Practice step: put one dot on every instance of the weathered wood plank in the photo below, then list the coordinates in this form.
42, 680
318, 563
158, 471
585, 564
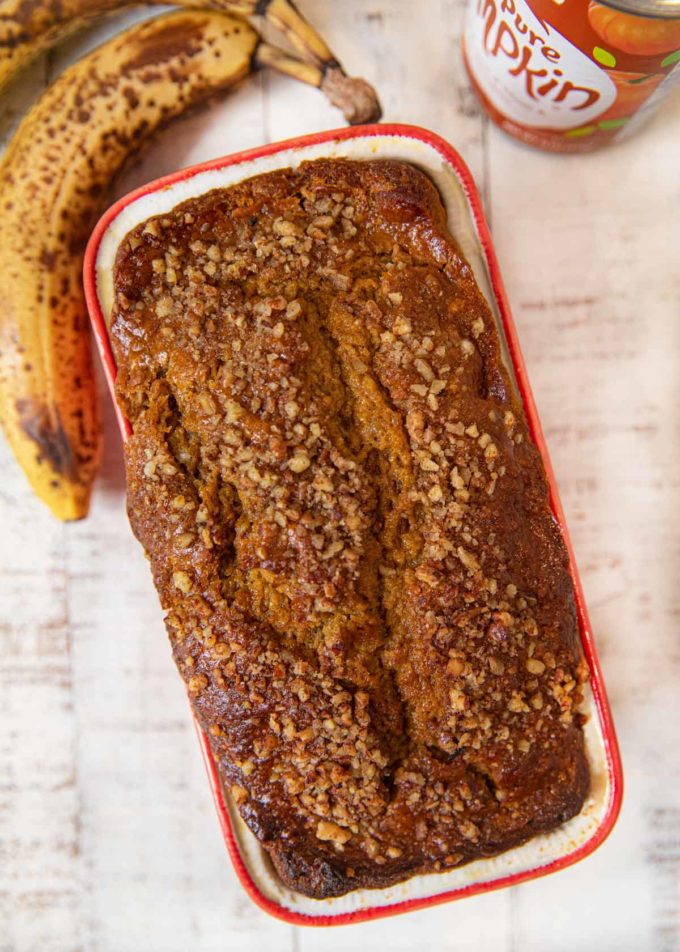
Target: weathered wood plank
589, 249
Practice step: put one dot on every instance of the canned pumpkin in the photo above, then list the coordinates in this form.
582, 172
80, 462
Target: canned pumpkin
574, 75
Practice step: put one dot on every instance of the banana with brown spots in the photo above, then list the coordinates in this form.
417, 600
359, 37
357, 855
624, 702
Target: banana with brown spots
29, 27
53, 179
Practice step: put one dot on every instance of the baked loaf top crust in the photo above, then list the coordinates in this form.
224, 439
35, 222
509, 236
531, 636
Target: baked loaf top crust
348, 524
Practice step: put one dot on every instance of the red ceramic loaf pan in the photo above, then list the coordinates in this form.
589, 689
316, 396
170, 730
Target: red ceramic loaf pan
544, 854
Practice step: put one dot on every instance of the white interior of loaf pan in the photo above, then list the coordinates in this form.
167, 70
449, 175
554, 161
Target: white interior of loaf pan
542, 850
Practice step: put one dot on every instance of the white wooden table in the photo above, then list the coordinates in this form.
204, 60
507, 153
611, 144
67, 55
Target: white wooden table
108, 837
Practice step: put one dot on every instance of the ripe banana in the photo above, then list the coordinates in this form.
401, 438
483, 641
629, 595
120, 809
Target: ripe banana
29, 28
53, 179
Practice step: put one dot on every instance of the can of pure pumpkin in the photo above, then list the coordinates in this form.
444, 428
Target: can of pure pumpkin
572, 75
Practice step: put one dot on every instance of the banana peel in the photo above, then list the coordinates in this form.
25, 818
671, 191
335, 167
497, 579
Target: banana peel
53, 181
29, 28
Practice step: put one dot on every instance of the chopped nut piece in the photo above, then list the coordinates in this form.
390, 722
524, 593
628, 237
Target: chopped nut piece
164, 307
299, 463
458, 699
182, 581
468, 829
424, 369
468, 559
534, 666
333, 549
238, 794
197, 683
282, 227
516, 704
456, 479
331, 832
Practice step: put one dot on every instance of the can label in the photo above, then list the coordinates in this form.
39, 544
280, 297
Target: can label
567, 75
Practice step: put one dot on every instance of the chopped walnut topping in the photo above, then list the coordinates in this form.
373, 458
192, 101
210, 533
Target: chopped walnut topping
164, 307
458, 699
300, 462
328, 831
424, 369
238, 794
182, 581
197, 683
468, 559
332, 491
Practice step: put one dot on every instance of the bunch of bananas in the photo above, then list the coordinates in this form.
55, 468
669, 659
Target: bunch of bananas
54, 177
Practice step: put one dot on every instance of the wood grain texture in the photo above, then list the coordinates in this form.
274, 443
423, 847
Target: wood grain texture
108, 837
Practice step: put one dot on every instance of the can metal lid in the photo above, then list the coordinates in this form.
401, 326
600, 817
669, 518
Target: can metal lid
667, 9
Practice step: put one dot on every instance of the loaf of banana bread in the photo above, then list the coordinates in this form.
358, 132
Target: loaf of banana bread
348, 525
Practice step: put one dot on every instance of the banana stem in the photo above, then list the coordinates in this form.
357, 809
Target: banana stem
355, 97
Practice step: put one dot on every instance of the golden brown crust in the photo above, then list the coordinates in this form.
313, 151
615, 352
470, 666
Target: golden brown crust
349, 525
